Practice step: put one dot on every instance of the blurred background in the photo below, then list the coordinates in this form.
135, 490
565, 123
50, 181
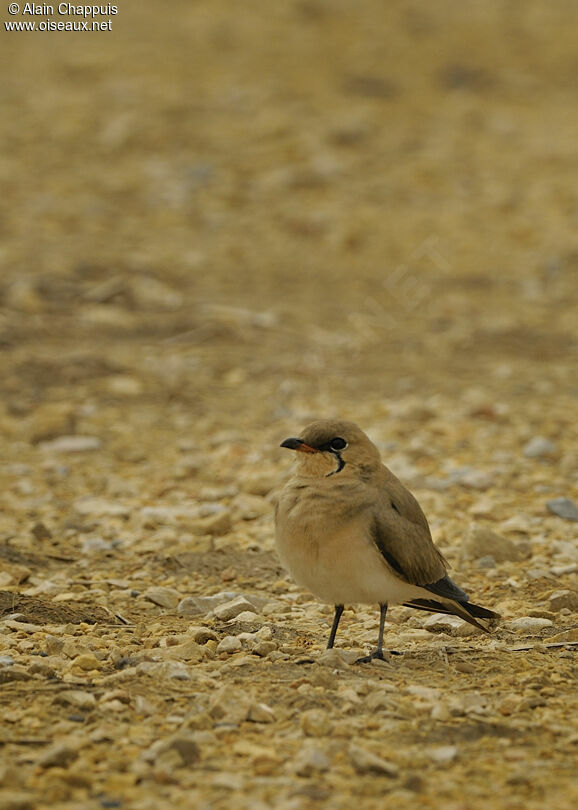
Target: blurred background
246, 211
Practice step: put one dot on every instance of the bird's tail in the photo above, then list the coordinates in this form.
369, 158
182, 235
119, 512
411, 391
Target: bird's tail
465, 610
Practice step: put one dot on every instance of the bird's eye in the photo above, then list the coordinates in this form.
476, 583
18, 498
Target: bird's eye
338, 443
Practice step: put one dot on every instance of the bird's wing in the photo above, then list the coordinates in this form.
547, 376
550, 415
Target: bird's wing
400, 531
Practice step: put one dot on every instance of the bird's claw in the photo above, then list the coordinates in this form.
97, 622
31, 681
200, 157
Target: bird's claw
376, 655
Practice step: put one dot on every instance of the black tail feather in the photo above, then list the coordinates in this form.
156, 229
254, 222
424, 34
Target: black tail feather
465, 610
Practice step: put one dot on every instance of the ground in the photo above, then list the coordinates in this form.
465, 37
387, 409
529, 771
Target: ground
220, 221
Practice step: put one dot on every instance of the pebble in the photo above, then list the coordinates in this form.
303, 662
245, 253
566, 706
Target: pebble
260, 713
263, 648
310, 761
229, 704
472, 478
443, 754
487, 561
87, 662
17, 800
202, 634
100, 506
187, 651
563, 599
481, 542
230, 610
185, 745
366, 762
249, 617
567, 635
442, 623
316, 723
539, 447
166, 669
564, 508
155, 515
229, 645
216, 525
194, 605
76, 698
337, 658
527, 624
71, 444
59, 755
167, 598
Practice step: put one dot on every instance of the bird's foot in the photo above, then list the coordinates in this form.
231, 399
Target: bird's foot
376, 655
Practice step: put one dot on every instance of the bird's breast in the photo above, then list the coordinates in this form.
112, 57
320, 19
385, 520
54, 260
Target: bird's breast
325, 544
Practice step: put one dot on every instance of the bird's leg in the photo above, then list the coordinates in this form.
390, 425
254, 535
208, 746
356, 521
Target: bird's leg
334, 626
378, 653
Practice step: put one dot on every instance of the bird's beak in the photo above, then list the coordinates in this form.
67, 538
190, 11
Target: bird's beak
299, 445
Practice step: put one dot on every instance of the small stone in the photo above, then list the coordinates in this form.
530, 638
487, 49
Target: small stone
218, 524
194, 605
248, 616
163, 515
186, 746
230, 610
510, 704
76, 698
527, 624
567, 635
87, 662
166, 669
100, 506
164, 597
310, 761
260, 713
229, 704
481, 542
539, 447
442, 623
17, 800
189, 606
202, 634
441, 712
71, 444
564, 599
58, 755
366, 762
472, 479
443, 754
229, 645
316, 723
11, 776
564, 508
337, 658
123, 385
188, 651
263, 648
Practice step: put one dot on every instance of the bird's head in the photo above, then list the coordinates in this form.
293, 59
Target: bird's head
334, 447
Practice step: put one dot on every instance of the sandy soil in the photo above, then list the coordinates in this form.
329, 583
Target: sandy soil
218, 221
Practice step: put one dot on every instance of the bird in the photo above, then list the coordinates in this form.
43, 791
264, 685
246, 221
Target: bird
350, 532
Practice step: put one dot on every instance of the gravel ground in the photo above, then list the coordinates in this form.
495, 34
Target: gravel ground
217, 225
